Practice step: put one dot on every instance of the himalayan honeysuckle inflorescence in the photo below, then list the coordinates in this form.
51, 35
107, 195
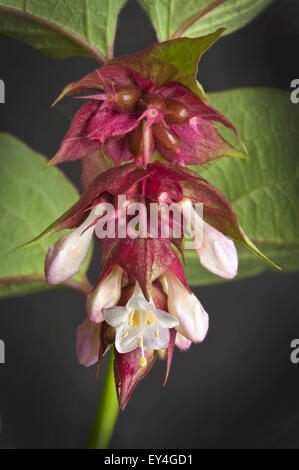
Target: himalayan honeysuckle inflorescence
145, 120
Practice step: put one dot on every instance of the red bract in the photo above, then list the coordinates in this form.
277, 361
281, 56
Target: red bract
128, 373
133, 117
157, 181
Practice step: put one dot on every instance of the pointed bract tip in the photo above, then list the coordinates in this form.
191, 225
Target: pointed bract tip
241, 155
48, 164
252, 247
64, 92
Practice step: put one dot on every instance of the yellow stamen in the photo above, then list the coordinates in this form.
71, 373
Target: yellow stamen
125, 334
156, 333
150, 318
133, 318
140, 343
143, 361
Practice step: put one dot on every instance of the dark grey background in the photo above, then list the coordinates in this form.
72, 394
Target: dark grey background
236, 390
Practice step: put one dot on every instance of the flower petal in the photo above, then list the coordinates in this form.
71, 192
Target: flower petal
105, 295
65, 257
126, 339
165, 319
115, 316
218, 253
182, 343
193, 319
138, 301
155, 337
88, 343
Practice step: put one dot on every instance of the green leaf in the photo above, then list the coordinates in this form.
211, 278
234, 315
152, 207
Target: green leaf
63, 28
263, 190
168, 61
30, 199
174, 18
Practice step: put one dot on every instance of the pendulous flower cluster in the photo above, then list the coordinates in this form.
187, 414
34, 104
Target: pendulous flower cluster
135, 136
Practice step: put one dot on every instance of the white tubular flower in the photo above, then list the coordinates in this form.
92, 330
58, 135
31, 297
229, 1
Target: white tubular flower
139, 325
217, 253
193, 319
181, 342
65, 257
105, 295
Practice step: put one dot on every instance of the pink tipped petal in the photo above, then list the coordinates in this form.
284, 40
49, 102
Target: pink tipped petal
65, 257
182, 343
108, 123
88, 343
218, 253
193, 319
105, 295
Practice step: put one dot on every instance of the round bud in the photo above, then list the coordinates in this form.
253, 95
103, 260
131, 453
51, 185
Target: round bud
150, 100
136, 140
165, 138
125, 99
176, 112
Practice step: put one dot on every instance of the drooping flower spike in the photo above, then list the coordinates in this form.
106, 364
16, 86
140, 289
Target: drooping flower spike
142, 305
142, 288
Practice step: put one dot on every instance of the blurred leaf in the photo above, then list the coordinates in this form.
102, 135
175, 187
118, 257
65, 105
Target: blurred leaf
30, 199
63, 28
263, 190
175, 18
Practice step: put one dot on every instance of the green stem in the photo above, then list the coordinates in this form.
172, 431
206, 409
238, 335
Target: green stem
107, 411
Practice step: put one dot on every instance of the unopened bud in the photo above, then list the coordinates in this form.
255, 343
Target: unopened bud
165, 138
176, 112
125, 99
137, 139
150, 100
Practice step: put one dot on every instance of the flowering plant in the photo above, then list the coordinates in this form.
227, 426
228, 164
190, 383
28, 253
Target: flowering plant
143, 113
145, 137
